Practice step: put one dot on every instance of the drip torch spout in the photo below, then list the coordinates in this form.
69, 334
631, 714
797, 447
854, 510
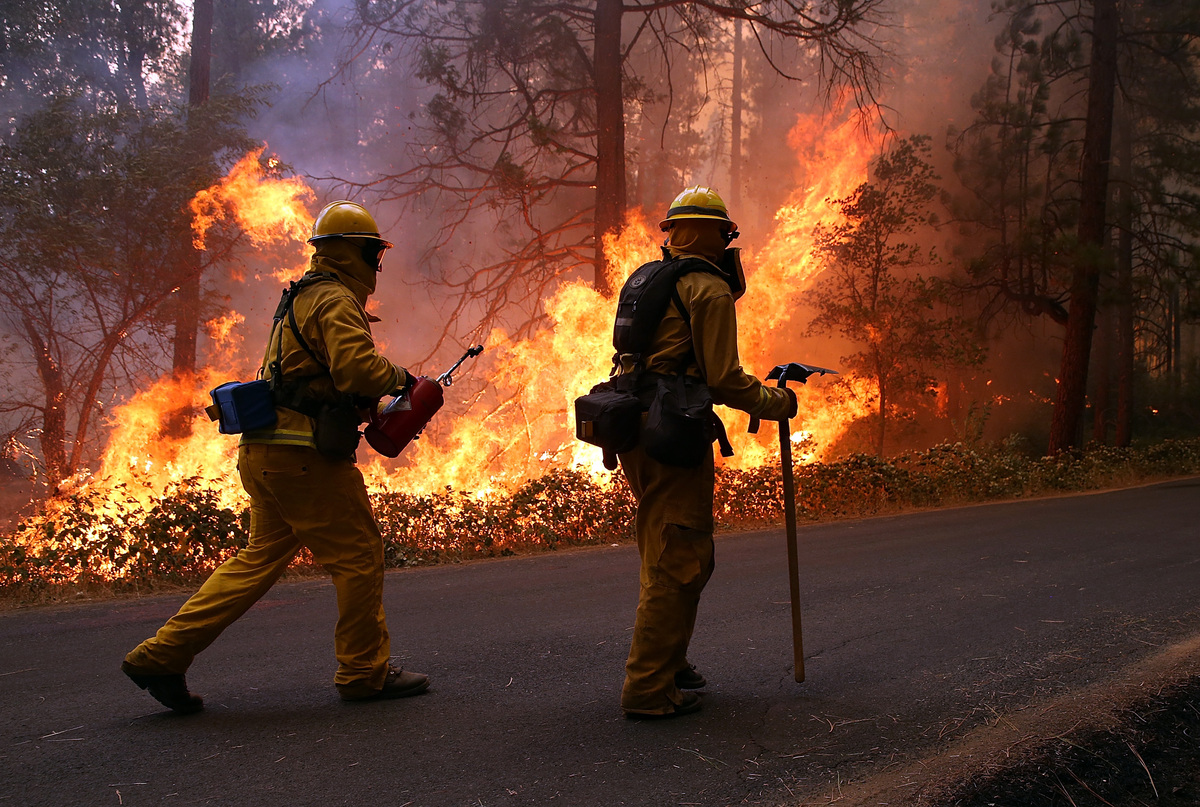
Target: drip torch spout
447, 378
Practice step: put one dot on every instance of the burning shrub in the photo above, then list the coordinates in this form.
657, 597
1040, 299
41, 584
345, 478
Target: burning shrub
115, 538
563, 507
107, 537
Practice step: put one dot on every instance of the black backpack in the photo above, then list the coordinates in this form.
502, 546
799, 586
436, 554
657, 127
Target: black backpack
610, 416
644, 299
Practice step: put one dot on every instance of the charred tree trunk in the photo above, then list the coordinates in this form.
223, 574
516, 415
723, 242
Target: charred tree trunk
735, 127
1124, 419
1085, 280
187, 299
610, 131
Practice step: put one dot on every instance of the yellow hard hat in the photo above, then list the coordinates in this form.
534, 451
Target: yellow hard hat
697, 203
345, 219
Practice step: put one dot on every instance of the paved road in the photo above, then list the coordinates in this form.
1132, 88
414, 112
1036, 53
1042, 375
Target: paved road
917, 628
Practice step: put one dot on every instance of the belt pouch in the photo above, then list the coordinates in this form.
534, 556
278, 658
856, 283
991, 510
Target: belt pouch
610, 417
679, 429
243, 406
336, 431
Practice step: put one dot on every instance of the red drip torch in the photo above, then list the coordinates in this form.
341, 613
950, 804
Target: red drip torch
398, 424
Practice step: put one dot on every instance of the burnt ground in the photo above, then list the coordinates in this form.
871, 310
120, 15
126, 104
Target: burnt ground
1151, 756
1133, 740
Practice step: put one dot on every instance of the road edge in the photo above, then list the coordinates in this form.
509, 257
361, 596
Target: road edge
1016, 735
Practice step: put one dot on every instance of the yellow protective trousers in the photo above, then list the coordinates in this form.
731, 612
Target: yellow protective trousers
298, 499
675, 539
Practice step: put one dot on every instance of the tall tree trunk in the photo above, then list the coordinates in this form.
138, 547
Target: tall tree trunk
1085, 280
1124, 424
735, 127
53, 436
882, 416
610, 131
1102, 382
201, 61
1176, 332
187, 299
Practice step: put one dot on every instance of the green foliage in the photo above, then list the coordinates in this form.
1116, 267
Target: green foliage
105, 51
945, 475
95, 235
87, 539
871, 293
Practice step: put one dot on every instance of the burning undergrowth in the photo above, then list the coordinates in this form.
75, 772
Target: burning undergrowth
499, 472
178, 535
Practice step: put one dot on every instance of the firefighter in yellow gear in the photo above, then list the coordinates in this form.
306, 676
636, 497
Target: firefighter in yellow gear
674, 522
300, 497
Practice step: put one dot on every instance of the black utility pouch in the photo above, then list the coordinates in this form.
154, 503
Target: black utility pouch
336, 429
610, 416
679, 429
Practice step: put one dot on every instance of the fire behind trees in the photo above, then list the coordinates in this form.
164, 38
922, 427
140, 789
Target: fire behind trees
526, 120
873, 292
94, 233
514, 113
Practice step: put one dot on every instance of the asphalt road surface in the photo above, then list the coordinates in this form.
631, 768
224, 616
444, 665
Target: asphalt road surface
917, 628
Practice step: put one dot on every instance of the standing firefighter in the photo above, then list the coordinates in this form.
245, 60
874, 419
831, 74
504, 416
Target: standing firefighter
304, 488
687, 361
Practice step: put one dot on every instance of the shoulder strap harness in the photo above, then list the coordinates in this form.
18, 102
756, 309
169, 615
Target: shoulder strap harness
641, 307
293, 393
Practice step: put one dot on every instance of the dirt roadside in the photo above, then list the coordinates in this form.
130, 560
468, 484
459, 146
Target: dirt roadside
1132, 739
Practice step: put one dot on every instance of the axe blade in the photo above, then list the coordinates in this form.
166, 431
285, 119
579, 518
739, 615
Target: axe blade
796, 371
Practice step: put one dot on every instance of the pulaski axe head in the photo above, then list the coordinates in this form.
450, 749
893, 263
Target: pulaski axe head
792, 371
795, 371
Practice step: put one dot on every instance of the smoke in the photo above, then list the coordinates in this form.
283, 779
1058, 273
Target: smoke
342, 123
338, 120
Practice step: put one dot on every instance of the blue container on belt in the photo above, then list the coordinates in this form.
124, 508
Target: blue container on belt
243, 406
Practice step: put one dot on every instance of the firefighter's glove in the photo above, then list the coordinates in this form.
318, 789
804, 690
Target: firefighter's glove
795, 407
409, 380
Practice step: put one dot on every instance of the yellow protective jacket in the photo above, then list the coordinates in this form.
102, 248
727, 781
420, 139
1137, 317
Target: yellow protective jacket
333, 319
712, 339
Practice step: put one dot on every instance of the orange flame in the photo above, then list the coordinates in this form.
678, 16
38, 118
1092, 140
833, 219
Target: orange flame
520, 424
141, 459
266, 209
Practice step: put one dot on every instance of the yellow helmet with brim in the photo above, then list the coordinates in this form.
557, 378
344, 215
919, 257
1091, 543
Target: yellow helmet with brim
698, 203
346, 219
